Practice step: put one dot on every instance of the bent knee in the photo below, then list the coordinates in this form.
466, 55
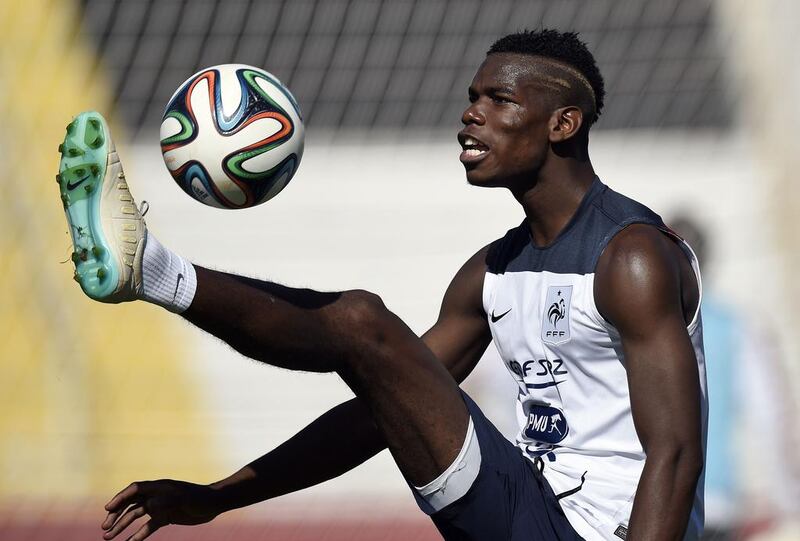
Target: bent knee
369, 324
363, 309
378, 341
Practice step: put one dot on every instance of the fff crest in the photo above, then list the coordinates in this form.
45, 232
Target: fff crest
555, 320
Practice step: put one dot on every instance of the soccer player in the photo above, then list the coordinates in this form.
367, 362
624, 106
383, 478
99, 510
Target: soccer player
592, 303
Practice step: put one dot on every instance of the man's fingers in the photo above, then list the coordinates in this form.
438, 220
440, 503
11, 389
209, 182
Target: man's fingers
145, 531
112, 517
125, 520
109, 521
122, 498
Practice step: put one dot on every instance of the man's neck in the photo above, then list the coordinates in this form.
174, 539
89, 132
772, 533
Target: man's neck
554, 198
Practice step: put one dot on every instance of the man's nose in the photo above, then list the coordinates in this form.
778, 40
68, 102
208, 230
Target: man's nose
473, 115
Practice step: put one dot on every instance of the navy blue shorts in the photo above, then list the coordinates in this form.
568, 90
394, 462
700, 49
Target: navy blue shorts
509, 499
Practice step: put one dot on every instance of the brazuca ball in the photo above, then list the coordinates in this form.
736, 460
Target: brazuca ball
232, 136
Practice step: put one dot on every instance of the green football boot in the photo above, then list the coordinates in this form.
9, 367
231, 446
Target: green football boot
107, 228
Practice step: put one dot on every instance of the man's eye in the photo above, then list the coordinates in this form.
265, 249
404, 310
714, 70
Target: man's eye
500, 99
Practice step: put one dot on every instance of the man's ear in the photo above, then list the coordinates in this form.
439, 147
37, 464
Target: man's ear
565, 123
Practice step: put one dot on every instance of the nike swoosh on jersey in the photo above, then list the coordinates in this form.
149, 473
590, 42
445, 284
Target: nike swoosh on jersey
495, 318
543, 385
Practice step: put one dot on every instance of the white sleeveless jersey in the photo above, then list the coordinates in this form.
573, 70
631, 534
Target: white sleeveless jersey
573, 403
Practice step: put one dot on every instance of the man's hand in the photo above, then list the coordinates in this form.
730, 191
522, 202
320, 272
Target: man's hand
164, 501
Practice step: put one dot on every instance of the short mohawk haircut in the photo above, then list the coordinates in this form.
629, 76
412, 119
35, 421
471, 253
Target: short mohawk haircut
564, 47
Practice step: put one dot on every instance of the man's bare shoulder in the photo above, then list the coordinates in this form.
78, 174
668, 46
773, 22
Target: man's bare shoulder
643, 266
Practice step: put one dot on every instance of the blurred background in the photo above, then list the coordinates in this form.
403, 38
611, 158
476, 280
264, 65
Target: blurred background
699, 124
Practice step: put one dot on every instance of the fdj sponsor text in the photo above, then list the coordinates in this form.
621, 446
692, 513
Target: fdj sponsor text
543, 367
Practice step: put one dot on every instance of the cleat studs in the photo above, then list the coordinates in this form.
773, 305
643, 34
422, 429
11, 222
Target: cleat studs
71, 127
76, 257
58, 179
97, 251
94, 134
84, 255
75, 152
61, 148
101, 273
65, 200
76, 277
89, 188
94, 169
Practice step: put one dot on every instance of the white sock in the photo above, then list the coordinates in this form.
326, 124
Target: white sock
168, 280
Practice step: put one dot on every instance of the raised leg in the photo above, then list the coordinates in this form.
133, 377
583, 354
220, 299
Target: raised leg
414, 400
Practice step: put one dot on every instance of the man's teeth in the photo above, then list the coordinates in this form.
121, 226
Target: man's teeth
473, 147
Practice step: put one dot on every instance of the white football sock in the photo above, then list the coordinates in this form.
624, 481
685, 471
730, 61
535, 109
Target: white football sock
168, 280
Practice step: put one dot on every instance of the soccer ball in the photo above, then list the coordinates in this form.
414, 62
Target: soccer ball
232, 136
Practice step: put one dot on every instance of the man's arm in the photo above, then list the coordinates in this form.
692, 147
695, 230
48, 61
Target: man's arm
645, 288
458, 339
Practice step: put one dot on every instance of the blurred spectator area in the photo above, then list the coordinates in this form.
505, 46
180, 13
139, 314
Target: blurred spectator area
406, 63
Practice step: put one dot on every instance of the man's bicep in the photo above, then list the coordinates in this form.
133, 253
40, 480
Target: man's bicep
461, 333
458, 343
639, 291
664, 387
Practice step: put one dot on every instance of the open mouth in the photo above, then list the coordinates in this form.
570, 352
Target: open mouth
473, 149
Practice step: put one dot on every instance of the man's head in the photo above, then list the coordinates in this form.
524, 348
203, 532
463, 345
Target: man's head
535, 92
564, 64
